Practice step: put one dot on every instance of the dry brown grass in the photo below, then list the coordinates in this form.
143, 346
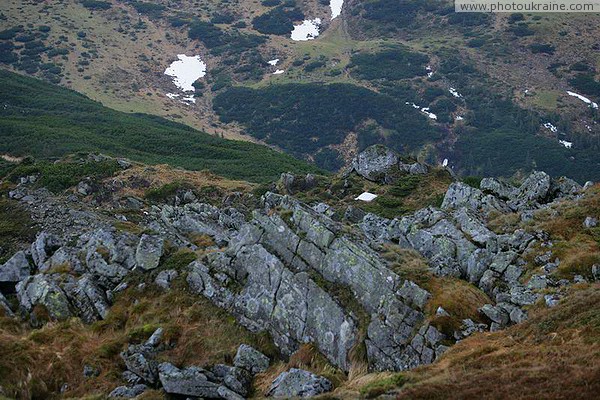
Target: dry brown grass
554, 355
36, 363
570, 215
139, 178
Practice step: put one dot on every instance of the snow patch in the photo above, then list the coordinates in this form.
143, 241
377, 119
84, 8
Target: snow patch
186, 71
445, 162
459, 118
366, 196
568, 145
273, 62
429, 71
278, 72
188, 99
584, 99
172, 95
551, 127
424, 110
336, 7
308, 30
454, 92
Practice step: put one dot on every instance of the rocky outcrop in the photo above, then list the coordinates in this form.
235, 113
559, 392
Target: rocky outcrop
299, 383
378, 163
16, 269
274, 265
375, 162
456, 241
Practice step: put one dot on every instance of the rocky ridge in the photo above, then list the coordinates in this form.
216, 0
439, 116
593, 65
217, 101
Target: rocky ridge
293, 271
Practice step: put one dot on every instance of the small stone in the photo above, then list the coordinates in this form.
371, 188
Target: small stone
552, 300
299, 383
250, 359
590, 222
441, 312
128, 392
89, 371
164, 278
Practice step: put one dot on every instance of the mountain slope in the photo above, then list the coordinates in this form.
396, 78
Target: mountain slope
43, 120
508, 112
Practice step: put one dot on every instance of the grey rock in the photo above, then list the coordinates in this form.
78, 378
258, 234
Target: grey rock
43, 247
538, 282
131, 378
299, 383
535, 188
323, 208
164, 278
239, 380
88, 300
441, 312
496, 314
156, 337
468, 328
564, 188
462, 195
375, 163
498, 188
250, 359
522, 296
15, 269
140, 360
64, 257
354, 214
287, 181
590, 222
190, 381
596, 271
5, 306
517, 315
149, 251
128, 392
228, 394
89, 371
414, 295
552, 300
84, 188
123, 163
43, 290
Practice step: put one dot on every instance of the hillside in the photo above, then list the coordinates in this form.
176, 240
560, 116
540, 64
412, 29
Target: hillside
125, 280
497, 85
45, 121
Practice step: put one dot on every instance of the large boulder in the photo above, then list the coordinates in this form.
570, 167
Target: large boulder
149, 251
299, 383
139, 359
535, 189
375, 163
43, 290
190, 381
43, 247
250, 359
16, 269
88, 300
